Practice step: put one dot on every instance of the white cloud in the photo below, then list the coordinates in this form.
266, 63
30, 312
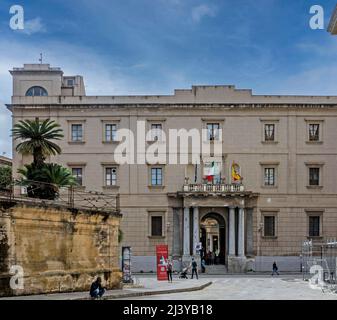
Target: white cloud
33, 26
202, 11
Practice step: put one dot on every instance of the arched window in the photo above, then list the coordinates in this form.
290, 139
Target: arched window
36, 91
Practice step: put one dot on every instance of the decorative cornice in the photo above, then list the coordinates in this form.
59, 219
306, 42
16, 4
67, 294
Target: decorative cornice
238, 106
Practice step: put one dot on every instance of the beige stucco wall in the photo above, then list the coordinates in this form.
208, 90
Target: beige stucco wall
241, 114
58, 250
242, 135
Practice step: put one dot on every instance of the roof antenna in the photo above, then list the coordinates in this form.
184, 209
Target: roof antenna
41, 58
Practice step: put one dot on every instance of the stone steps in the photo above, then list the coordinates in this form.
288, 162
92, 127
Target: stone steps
216, 269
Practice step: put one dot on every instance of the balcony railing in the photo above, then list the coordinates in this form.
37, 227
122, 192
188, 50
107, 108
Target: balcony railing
205, 187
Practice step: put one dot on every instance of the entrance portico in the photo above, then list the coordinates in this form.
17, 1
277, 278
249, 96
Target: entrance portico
230, 210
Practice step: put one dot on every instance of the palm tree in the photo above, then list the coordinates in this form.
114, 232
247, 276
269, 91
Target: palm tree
45, 182
36, 136
58, 175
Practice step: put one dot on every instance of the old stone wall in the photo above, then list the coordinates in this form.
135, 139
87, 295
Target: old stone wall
58, 249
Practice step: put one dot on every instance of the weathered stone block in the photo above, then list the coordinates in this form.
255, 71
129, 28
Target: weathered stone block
58, 249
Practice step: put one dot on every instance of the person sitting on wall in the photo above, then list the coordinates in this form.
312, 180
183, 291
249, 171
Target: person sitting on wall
96, 289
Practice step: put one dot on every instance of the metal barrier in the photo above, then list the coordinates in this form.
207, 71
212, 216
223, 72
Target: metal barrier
319, 263
72, 197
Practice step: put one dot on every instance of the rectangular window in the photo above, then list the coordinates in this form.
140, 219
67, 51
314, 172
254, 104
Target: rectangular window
156, 226
156, 131
76, 132
213, 131
78, 175
314, 176
269, 132
269, 176
313, 132
70, 82
314, 226
269, 226
110, 132
156, 176
111, 176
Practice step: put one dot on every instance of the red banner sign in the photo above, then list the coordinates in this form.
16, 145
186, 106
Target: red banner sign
162, 256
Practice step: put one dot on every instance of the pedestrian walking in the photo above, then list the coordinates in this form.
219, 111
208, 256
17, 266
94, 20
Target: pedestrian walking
203, 265
212, 257
275, 269
169, 268
194, 268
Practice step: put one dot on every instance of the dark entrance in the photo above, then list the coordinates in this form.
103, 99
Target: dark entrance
213, 235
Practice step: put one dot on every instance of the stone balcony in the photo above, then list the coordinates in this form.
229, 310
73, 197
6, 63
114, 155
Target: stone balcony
208, 187
214, 195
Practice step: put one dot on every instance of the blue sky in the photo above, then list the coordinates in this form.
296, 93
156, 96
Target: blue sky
153, 47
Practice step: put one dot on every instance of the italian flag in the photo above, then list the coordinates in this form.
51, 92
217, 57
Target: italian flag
211, 172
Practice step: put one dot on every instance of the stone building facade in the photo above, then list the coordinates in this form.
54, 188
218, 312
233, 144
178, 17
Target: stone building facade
272, 186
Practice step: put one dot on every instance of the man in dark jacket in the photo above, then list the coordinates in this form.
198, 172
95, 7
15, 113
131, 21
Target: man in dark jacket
194, 268
275, 269
96, 289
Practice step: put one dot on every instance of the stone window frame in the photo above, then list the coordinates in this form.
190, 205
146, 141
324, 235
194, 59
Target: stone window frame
66, 80
152, 166
42, 92
156, 213
319, 165
320, 133
270, 213
312, 212
76, 122
79, 175
112, 121
206, 121
266, 121
275, 166
106, 165
149, 123
80, 165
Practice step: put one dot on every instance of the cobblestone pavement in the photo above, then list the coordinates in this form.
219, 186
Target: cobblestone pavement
252, 288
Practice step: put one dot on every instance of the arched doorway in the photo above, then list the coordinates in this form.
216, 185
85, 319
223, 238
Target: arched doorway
213, 236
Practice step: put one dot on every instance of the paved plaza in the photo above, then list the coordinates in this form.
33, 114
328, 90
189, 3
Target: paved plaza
217, 287
252, 287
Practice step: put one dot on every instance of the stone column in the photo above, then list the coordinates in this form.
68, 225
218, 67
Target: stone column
177, 230
210, 241
241, 237
249, 231
196, 237
186, 231
231, 244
